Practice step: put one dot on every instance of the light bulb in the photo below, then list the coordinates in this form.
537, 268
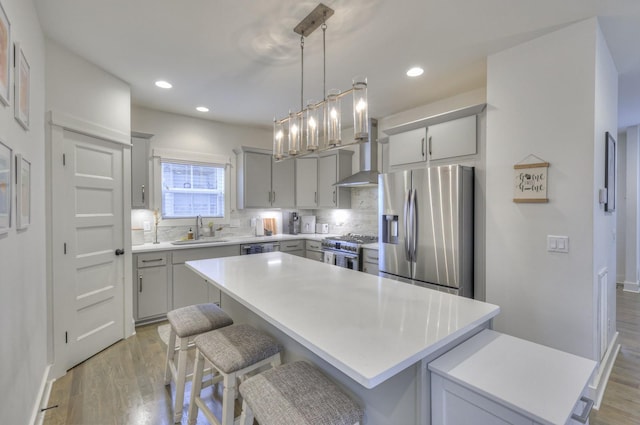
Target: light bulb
312, 123
361, 106
334, 114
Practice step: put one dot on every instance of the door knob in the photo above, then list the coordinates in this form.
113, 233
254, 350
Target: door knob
119, 251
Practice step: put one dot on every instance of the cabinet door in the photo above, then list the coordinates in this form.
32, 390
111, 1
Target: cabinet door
153, 291
188, 287
140, 173
327, 171
283, 184
306, 182
452, 138
257, 180
408, 147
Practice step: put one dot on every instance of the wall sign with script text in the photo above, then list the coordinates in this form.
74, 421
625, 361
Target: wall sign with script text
530, 182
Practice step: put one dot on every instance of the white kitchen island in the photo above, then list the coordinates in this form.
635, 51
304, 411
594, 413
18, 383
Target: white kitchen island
373, 335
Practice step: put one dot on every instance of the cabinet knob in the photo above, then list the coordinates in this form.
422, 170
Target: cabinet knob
119, 251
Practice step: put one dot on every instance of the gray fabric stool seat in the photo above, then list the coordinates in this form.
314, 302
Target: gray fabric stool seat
296, 394
233, 352
186, 323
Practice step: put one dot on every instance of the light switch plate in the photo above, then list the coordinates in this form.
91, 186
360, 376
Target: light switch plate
146, 225
557, 243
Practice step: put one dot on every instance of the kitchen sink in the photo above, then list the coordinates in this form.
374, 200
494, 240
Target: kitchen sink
197, 241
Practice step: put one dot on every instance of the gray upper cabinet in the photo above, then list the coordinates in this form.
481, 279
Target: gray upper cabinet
440, 137
333, 167
306, 182
263, 183
408, 147
283, 184
140, 148
452, 138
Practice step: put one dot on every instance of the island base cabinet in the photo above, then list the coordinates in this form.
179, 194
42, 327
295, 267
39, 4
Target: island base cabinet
190, 289
453, 404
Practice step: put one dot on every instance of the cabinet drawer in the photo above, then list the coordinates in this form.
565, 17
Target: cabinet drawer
182, 255
287, 246
313, 245
370, 255
315, 255
370, 268
152, 259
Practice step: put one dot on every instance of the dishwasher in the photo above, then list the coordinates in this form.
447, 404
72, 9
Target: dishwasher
257, 248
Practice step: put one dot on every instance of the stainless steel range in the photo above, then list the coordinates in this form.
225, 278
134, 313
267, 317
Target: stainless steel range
345, 251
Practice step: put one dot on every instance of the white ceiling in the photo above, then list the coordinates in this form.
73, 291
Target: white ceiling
241, 58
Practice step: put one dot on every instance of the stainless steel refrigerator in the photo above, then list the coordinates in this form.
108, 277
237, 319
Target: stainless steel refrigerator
426, 227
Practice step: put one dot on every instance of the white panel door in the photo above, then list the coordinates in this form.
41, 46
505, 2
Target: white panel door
88, 269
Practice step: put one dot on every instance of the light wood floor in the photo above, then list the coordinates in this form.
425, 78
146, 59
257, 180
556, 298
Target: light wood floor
124, 384
621, 402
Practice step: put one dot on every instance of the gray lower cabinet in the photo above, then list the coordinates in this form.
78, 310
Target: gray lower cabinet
188, 287
293, 247
313, 250
370, 261
151, 286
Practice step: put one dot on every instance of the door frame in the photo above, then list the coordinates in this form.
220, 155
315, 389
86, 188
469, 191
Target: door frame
57, 123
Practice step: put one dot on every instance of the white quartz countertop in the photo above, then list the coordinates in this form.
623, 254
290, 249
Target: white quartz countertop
224, 240
368, 327
532, 379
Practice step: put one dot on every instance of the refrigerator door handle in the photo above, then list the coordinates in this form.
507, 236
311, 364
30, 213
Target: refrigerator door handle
407, 232
414, 226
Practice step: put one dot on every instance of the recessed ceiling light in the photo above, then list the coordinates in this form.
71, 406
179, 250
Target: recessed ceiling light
415, 71
202, 109
163, 84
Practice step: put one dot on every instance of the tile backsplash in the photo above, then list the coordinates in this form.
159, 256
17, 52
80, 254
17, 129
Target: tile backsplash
361, 218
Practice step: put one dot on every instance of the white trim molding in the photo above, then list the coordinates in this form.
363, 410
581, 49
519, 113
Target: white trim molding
37, 415
601, 376
79, 125
631, 286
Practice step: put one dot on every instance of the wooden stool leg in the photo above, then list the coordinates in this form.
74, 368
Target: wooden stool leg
228, 399
180, 379
171, 351
196, 387
247, 414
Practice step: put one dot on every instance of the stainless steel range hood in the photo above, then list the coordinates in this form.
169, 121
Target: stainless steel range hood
368, 174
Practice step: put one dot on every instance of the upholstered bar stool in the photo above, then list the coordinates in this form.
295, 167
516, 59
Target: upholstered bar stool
296, 394
186, 323
233, 352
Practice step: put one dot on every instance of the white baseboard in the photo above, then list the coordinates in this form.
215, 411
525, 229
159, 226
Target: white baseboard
42, 399
631, 286
599, 382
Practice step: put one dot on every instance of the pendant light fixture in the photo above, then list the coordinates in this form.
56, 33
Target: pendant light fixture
318, 127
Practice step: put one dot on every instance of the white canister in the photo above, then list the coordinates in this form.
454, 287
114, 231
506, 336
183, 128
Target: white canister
322, 227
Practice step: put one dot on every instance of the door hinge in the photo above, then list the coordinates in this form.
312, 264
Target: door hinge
64, 159
66, 337
65, 248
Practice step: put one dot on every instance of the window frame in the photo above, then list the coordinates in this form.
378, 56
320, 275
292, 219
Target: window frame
195, 158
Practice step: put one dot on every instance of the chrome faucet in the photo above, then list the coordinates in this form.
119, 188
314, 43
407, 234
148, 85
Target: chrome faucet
196, 234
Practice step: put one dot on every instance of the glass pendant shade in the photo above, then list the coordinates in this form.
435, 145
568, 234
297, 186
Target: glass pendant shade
295, 133
278, 140
313, 126
360, 109
333, 118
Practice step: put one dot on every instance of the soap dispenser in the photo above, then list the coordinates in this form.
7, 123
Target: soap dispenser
190, 234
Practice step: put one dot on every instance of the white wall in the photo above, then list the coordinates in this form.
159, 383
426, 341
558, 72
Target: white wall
542, 100
84, 91
23, 308
621, 237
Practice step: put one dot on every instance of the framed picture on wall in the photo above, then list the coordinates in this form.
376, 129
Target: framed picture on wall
5, 57
5, 188
23, 187
610, 173
23, 87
